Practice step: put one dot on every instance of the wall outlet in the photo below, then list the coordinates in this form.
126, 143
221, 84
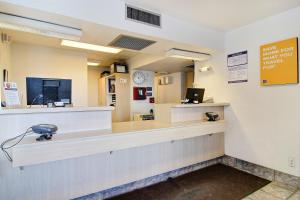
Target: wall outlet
292, 162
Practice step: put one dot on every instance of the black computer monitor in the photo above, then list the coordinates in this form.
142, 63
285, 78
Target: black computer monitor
195, 94
41, 91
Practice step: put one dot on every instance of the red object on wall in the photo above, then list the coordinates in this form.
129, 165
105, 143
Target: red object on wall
151, 100
139, 93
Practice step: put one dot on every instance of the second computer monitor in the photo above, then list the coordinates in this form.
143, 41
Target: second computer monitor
195, 95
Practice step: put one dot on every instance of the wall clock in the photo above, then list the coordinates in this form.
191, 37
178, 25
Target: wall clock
139, 77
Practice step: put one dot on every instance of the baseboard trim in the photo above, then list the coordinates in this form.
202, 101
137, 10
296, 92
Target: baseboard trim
263, 172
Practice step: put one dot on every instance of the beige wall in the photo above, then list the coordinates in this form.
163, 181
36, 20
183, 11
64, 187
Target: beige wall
39, 61
171, 93
4, 62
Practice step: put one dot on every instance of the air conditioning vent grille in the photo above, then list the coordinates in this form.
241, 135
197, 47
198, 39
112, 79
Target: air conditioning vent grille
129, 42
143, 16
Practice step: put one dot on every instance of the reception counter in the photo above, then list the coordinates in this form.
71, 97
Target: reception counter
89, 153
187, 112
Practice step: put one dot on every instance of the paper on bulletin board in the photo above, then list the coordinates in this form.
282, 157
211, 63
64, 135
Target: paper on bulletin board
279, 62
237, 64
11, 94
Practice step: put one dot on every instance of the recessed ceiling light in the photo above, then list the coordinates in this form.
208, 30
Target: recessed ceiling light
88, 46
93, 63
188, 55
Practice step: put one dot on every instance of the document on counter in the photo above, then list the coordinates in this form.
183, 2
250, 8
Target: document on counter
11, 94
237, 64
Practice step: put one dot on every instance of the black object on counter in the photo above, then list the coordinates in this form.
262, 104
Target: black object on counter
194, 95
212, 116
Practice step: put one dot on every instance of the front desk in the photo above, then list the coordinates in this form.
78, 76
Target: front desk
172, 113
90, 154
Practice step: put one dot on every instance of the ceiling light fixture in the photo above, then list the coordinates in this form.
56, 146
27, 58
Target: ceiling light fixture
93, 63
205, 69
188, 55
88, 46
40, 27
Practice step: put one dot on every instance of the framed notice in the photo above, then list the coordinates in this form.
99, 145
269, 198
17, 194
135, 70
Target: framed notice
279, 63
10, 91
237, 64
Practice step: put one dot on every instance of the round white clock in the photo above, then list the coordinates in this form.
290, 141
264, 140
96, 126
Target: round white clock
139, 77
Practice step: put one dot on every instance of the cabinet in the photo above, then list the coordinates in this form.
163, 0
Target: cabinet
115, 91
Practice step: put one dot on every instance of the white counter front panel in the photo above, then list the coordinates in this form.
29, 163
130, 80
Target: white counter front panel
71, 178
15, 121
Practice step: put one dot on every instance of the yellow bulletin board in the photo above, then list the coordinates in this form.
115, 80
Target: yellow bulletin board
279, 63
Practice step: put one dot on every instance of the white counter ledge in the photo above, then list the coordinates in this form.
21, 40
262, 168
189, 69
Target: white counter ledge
5, 111
122, 136
119, 129
200, 105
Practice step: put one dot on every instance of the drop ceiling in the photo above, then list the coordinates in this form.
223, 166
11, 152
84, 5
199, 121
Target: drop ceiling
102, 35
105, 58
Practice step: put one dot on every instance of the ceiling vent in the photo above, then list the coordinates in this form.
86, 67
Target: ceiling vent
143, 16
129, 42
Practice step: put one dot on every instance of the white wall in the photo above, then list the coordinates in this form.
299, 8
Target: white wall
141, 106
263, 122
45, 62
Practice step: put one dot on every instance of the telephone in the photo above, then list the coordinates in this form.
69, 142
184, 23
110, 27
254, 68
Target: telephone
45, 130
212, 116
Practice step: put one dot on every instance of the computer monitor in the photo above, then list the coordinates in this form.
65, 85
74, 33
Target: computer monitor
41, 91
195, 94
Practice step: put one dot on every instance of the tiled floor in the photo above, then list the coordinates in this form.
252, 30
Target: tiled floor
275, 191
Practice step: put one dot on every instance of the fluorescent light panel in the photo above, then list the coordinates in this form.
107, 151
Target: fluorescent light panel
188, 55
92, 63
29, 25
88, 46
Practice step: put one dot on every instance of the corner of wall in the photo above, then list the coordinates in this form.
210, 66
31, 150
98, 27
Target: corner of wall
5, 62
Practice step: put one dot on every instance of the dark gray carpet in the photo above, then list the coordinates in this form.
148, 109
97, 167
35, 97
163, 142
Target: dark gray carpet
218, 182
